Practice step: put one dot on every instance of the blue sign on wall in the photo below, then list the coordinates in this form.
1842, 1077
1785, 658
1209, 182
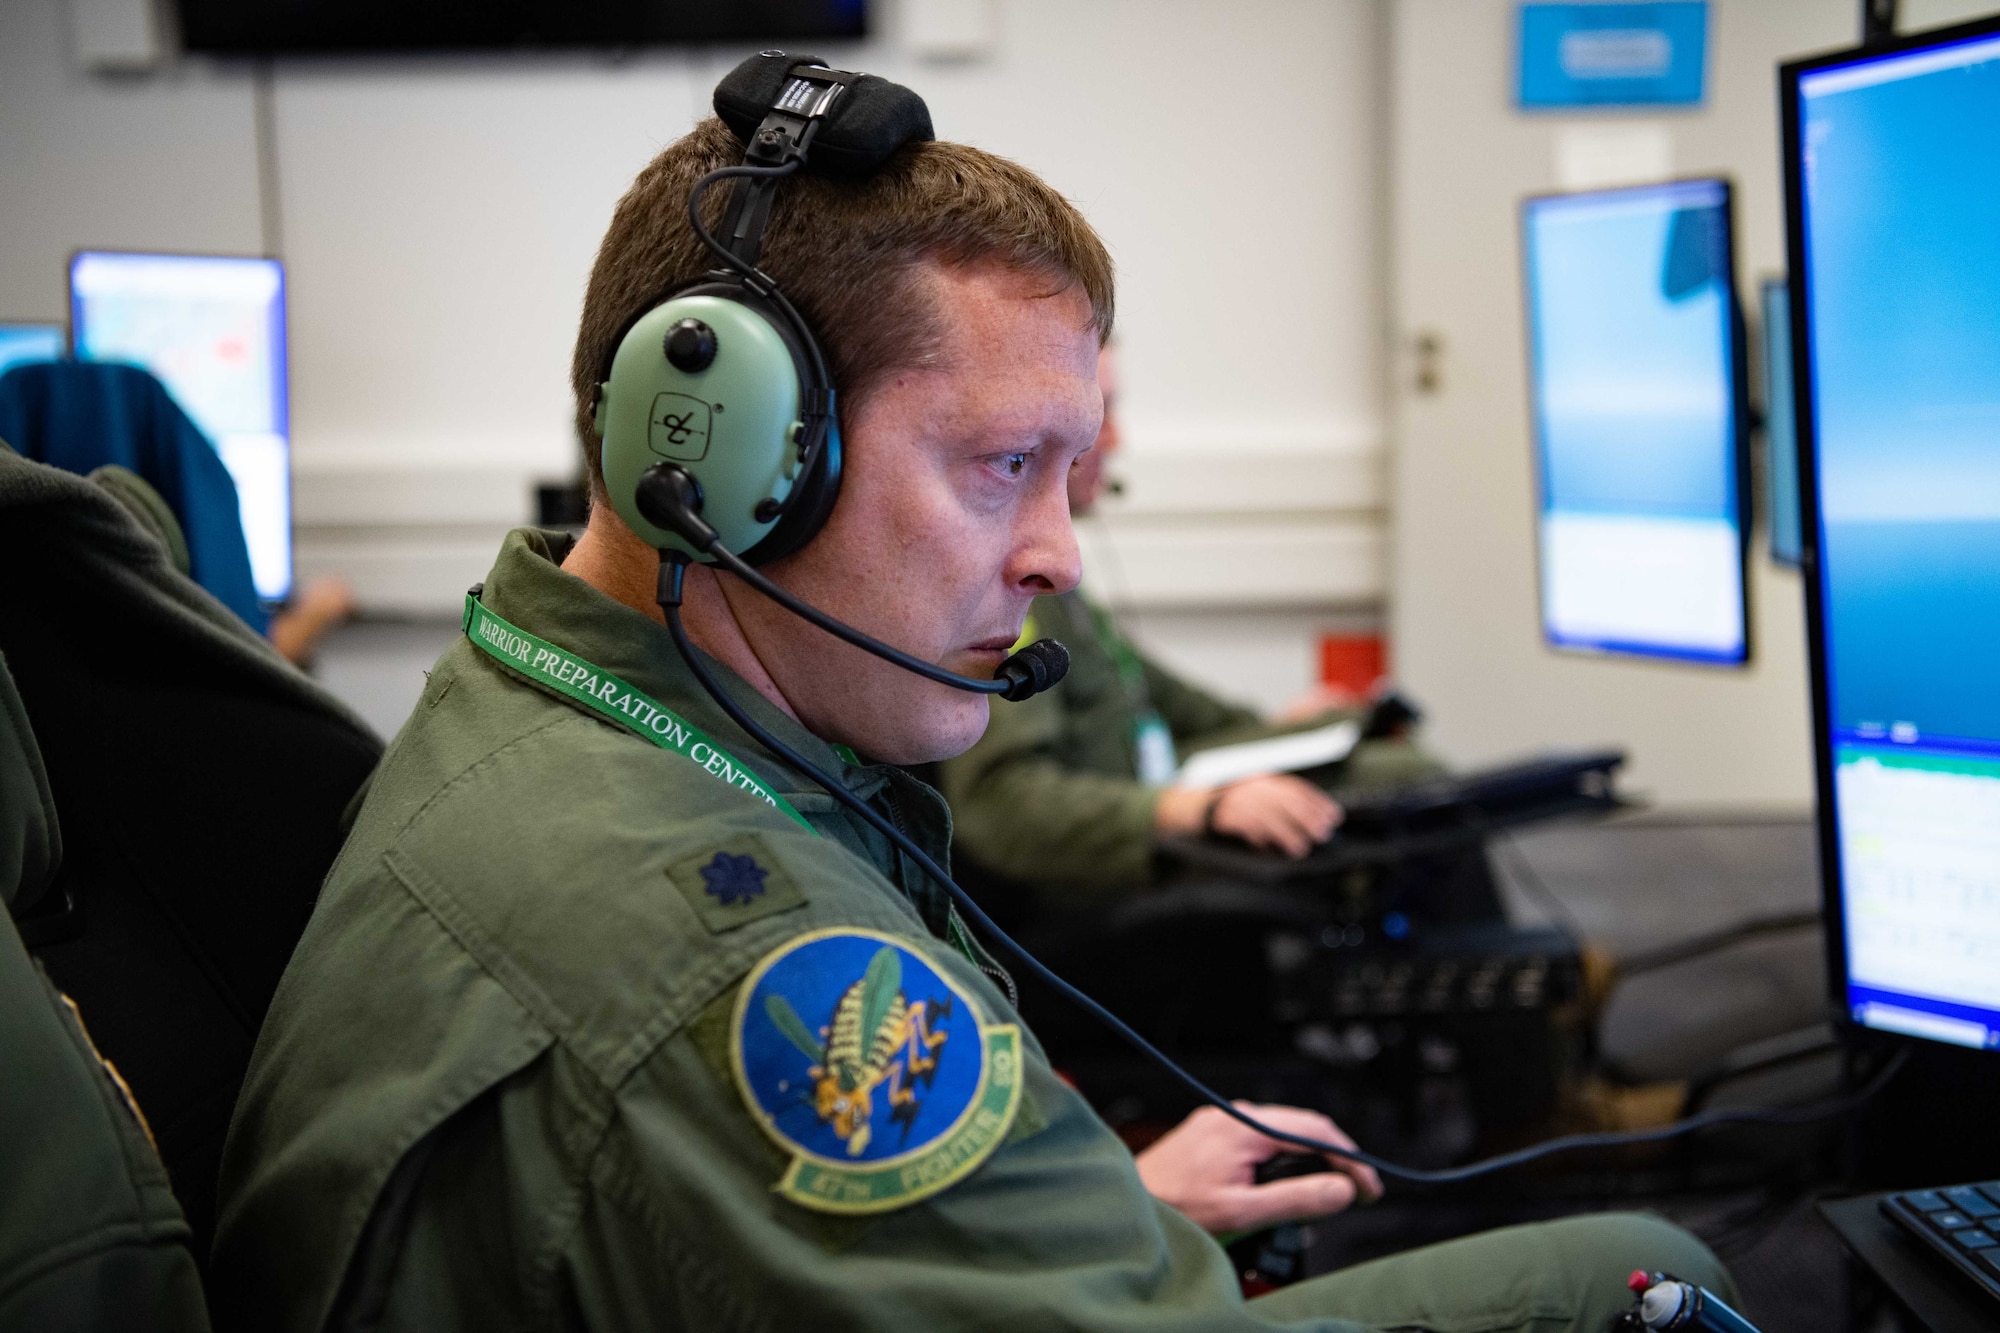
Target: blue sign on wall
1628, 54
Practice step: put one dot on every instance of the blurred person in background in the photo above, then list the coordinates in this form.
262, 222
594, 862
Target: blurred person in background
1072, 792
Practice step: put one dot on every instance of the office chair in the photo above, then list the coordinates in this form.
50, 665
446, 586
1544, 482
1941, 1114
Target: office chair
202, 784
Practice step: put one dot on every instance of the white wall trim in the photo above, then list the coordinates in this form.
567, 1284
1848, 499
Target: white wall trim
1238, 562
1274, 523
1250, 479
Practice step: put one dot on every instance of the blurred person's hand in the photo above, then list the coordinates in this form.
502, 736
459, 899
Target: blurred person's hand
1207, 1168
1275, 811
316, 608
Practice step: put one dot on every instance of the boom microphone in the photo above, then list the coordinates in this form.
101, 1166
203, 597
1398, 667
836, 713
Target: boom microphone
669, 497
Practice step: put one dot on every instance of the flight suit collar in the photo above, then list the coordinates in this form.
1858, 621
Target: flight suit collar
528, 588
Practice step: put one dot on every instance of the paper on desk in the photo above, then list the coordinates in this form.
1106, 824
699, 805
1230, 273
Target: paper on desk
1280, 754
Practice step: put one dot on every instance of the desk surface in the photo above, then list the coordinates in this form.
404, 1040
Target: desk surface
1923, 1282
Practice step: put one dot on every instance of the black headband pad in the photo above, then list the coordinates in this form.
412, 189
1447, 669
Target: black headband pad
867, 123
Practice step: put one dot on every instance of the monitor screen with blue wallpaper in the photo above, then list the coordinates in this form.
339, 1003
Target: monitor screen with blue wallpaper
1896, 170
21, 344
212, 327
1637, 397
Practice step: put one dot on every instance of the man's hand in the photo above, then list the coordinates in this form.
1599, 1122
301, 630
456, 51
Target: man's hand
1276, 810
1206, 1167
316, 608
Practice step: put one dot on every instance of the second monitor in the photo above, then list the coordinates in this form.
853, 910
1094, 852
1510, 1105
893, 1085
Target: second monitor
1637, 389
22, 344
212, 327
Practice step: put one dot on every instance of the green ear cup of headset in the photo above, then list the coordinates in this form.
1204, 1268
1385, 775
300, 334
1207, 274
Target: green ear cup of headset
732, 422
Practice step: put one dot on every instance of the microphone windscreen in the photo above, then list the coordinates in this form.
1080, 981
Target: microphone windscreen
1054, 660
1039, 666
867, 123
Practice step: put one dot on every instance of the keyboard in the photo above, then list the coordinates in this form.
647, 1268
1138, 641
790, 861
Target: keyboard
1961, 1223
1504, 795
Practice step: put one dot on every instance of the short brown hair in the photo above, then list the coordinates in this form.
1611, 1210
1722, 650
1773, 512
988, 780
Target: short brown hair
845, 253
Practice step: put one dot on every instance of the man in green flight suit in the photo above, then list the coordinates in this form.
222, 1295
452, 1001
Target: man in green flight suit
1070, 792
608, 1019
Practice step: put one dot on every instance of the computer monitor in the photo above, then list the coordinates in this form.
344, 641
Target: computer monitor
213, 329
1893, 192
23, 343
1781, 440
1636, 384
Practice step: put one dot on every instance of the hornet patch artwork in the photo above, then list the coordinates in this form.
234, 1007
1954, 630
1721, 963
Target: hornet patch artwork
872, 1068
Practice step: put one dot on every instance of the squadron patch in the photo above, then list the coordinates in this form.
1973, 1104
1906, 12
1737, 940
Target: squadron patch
872, 1069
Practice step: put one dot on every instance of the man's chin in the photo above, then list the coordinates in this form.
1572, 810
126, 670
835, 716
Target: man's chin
928, 730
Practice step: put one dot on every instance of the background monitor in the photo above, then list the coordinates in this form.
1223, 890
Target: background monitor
1637, 393
1893, 182
259, 27
1781, 440
213, 329
23, 343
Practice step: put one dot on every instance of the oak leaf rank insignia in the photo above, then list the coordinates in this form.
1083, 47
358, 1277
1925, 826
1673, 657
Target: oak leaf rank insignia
732, 879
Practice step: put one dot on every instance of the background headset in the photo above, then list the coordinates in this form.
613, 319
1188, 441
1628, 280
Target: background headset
718, 430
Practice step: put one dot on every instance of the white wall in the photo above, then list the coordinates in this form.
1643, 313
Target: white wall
166, 161
1464, 618
439, 217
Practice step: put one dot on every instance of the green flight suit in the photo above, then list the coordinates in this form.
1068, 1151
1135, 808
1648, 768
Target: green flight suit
1051, 795
91, 1237
512, 971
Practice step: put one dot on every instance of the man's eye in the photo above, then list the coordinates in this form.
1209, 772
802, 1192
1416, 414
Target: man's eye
1015, 464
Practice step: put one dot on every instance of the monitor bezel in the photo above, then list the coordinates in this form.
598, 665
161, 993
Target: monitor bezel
1806, 426
1739, 374
1763, 428
284, 355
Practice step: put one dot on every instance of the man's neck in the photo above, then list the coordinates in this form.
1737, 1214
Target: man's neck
612, 559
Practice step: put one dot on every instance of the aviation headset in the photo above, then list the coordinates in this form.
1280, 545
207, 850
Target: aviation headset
724, 378
721, 442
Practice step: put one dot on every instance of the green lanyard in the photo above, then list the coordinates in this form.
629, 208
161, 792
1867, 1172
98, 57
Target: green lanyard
609, 697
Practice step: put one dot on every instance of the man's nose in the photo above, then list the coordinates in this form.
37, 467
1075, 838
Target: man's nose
1046, 558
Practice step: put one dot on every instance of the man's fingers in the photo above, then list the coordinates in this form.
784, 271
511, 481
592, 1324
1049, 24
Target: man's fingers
1279, 811
1318, 811
1295, 1199
1295, 840
1312, 1125
1302, 826
1252, 815
1280, 828
1310, 808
